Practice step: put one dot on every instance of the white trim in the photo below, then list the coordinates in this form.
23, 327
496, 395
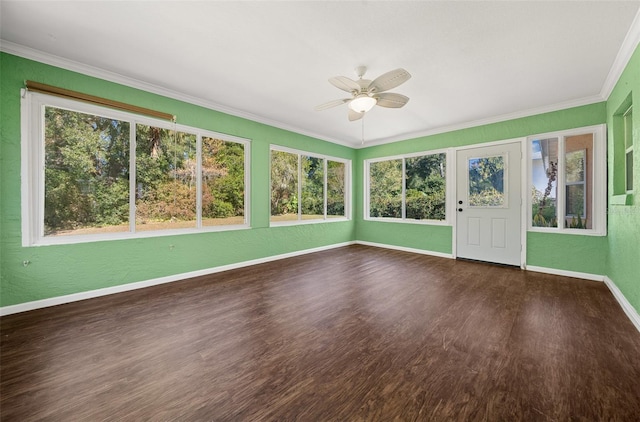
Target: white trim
621, 60
624, 303
74, 297
483, 122
286, 223
627, 48
524, 203
598, 178
33, 164
565, 273
404, 249
347, 183
50, 59
367, 184
523, 193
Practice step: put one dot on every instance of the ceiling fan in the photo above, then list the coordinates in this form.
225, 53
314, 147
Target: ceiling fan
366, 93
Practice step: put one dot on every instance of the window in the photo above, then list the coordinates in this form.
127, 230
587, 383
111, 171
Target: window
93, 173
308, 187
486, 181
567, 175
627, 119
407, 188
623, 168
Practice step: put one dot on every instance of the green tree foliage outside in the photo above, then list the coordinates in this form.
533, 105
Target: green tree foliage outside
335, 188
222, 179
312, 186
284, 186
426, 187
87, 175
86, 171
284, 183
385, 189
486, 182
424, 190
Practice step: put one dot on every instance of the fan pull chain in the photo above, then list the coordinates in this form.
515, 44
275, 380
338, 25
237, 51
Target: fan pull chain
362, 130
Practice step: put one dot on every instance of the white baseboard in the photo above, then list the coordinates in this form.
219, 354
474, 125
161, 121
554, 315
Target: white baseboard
624, 303
59, 300
575, 274
404, 249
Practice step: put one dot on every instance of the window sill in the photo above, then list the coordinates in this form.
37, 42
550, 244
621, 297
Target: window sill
408, 221
574, 232
89, 238
303, 222
624, 199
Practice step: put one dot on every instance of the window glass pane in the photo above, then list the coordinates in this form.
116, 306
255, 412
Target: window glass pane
578, 175
86, 176
628, 128
335, 189
575, 201
222, 182
629, 167
544, 168
628, 142
284, 186
165, 179
575, 166
385, 189
312, 187
425, 187
486, 182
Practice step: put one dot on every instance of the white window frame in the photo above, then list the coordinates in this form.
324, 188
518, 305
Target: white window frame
32, 170
325, 219
449, 188
598, 181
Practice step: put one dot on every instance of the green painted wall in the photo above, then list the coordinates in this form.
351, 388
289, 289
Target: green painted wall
543, 249
623, 264
66, 269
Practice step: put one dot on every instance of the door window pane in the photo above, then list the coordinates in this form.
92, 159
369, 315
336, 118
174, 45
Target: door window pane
486, 182
385, 189
544, 168
86, 176
425, 187
165, 179
312, 188
222, 182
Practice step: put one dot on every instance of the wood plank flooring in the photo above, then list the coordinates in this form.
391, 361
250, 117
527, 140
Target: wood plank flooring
351, 334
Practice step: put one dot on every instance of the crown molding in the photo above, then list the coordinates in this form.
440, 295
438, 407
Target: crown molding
627, 48
491, 120
53, 60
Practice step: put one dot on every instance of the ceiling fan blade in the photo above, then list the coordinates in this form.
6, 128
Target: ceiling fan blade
345, 84
391, 100
332, 104
389, 80
354, 115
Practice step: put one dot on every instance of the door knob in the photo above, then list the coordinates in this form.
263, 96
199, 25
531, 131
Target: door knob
460, 202
459, 209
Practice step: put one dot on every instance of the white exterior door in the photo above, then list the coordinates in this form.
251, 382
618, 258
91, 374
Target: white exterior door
488, 203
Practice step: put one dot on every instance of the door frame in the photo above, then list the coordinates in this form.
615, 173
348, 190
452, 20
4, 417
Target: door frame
523, 194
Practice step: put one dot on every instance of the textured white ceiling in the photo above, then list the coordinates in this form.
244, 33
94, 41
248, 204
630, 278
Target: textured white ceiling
470, 61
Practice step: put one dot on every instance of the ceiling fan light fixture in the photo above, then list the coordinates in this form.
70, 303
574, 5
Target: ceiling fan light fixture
362, 103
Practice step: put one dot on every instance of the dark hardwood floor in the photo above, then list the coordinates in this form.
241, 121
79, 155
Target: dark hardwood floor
351, 334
